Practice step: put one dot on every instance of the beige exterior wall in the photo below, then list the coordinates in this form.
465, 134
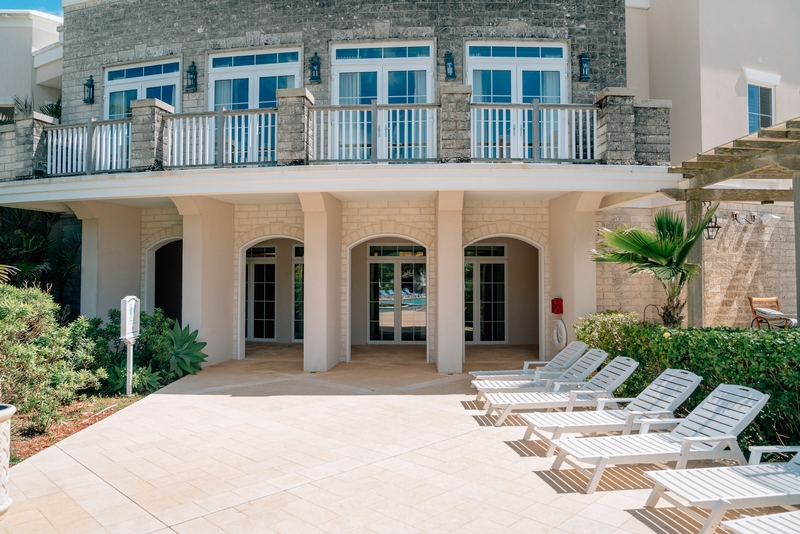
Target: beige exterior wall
694, 53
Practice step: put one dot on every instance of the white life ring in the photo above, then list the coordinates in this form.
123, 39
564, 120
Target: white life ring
559, 334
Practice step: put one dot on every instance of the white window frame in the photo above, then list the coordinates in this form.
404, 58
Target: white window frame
766, 80
249, 265
142, 83
398, 312
383, 66
476, 314
253, 72
298, 261
516, 65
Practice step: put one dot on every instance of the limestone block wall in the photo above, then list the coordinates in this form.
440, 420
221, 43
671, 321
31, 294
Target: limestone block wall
748, 261
527, 220
101, 33
414, 220
158, 224
8, 151
253, 223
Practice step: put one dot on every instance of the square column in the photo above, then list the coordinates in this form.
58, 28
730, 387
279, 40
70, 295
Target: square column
322, 291
111, 251
208, 266
450, 282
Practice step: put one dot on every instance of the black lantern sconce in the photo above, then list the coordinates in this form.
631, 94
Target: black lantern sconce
314, 76
191, 78
88, 91
585, 71
449, 67
712, 228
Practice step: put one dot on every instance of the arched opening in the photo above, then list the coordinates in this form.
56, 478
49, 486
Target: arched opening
271, 293
168, 294
502, 298
388, 298
164, 278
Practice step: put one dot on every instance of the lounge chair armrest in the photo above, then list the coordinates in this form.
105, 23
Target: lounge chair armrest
573, 396
559, 385
536, 363
688, 441
601, 403
645, 428
651, 417
757, 451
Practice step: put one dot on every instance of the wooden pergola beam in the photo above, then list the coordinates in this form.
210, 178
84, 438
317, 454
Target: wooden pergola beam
785, 160
730, 195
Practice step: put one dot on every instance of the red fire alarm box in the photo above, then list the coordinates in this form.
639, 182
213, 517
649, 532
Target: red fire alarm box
557, 306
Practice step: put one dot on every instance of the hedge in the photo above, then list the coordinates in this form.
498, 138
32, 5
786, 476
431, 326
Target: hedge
766, 360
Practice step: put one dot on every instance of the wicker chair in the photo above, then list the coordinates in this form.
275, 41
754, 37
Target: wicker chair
761, 308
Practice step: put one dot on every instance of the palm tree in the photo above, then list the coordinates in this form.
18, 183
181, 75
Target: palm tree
662, 253
6, 272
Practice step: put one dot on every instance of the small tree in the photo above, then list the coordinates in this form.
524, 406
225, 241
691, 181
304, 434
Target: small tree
662, 253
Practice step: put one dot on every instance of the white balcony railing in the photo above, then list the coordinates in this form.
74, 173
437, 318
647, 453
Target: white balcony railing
534, 132
246, 137
387, 133
69, 145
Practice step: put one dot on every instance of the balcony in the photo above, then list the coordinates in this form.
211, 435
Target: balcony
297, 132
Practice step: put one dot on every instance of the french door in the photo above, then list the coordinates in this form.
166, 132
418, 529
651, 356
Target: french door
260, 300
485, 302
397, 302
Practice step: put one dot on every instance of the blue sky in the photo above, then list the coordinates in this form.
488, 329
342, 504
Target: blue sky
48, 6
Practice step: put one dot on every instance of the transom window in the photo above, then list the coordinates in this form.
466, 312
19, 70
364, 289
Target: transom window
760, 109
387, 73
485, 251
511, 73
396, 250
250, 80
261, 252
151, 80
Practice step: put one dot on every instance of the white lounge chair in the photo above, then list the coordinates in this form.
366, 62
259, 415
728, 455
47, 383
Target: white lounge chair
578, 372
720, 489
535, 369
708, 433
660, 399
585, 395
766, 524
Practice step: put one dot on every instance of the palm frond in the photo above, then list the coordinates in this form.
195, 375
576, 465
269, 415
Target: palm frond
6, 272
694, 234
669, 225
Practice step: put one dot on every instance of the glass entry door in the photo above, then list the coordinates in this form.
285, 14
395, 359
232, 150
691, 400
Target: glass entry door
260, 303
397, 304
485, 296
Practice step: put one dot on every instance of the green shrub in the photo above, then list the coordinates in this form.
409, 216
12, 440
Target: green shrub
766, 360
42, 364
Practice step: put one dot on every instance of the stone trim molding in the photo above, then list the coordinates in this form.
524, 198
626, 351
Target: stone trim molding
504, 227
273, 230
388, 227
171, 233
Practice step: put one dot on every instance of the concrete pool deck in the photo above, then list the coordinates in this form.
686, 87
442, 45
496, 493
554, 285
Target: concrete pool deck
383, 444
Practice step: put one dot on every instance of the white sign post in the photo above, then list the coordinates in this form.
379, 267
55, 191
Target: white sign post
128, 332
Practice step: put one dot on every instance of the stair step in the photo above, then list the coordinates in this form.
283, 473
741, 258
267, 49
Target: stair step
793, 125
729, 149
704, 165
727, 158
755, 142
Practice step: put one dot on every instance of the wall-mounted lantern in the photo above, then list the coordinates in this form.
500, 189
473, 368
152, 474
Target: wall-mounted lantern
712, 228
88, 91
585, 71
191, 78
314, 76
449, 67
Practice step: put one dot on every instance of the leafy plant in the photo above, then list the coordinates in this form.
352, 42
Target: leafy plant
144, 379
662, 253
53, 109
186, 354
6, 272
23, 106
766, 360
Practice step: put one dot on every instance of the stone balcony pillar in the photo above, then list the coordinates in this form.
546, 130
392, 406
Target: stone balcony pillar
455, 123
294, 129
30, 155
148, 142
615, 126
652, 131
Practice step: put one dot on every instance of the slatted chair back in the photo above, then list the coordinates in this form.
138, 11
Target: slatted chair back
566, 357
667, 392
586, 365
610, 377
725, 412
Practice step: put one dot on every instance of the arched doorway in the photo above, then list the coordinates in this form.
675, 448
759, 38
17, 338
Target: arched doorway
272, 274
164, 278
502, 296
388, 297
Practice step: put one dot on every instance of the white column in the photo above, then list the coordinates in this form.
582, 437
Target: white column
573, 275
208, 269
111, 250
322, 291
450, 282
